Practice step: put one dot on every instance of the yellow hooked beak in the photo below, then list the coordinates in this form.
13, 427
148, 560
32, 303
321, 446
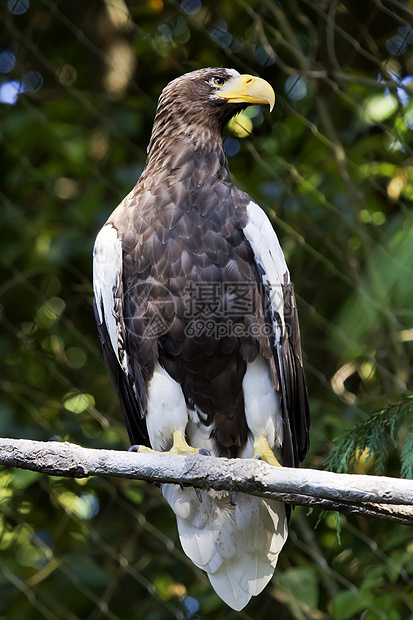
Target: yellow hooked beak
248, 89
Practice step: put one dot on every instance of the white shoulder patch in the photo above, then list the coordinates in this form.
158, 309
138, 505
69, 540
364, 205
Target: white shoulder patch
269, 256
107, 282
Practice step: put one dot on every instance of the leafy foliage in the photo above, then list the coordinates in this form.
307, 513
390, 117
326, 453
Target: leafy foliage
331, 166
368, 442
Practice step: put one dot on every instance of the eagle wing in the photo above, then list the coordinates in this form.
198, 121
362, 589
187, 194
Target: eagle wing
279, 302
108, 305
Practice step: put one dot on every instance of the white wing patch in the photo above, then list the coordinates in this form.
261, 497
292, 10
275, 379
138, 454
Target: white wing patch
107, 285
269, 256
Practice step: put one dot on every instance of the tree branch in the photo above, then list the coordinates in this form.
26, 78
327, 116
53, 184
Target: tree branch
371, 496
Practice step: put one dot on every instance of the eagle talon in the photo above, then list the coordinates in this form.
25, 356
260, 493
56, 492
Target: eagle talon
232, 498
179, 446
199, 495
263, 452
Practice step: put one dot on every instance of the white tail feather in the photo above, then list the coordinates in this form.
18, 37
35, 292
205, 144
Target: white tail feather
237, 546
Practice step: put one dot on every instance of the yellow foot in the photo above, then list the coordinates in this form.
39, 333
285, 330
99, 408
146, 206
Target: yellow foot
180, 446
263, 451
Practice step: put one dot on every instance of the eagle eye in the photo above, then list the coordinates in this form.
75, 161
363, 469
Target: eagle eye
218, 81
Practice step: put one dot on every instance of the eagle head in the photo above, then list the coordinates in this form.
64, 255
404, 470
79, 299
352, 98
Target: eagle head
199, 104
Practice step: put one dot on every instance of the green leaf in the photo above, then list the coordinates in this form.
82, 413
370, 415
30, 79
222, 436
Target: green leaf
346, 604
302, 584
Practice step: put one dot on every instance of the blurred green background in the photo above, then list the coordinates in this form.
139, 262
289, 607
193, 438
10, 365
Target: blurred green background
332, 166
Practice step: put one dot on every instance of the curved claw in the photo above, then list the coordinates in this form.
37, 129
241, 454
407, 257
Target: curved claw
232, 498
204, 452
134, 448
199, 495
264, 452
258, 457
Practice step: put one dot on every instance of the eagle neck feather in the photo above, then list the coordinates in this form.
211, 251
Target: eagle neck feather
180, 134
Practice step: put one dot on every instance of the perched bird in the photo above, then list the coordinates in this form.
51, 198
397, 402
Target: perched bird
198, 322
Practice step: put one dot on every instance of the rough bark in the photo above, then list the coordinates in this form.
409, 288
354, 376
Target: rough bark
370, 496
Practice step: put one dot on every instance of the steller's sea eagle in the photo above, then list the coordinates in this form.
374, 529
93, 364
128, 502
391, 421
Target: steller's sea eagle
198, 322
